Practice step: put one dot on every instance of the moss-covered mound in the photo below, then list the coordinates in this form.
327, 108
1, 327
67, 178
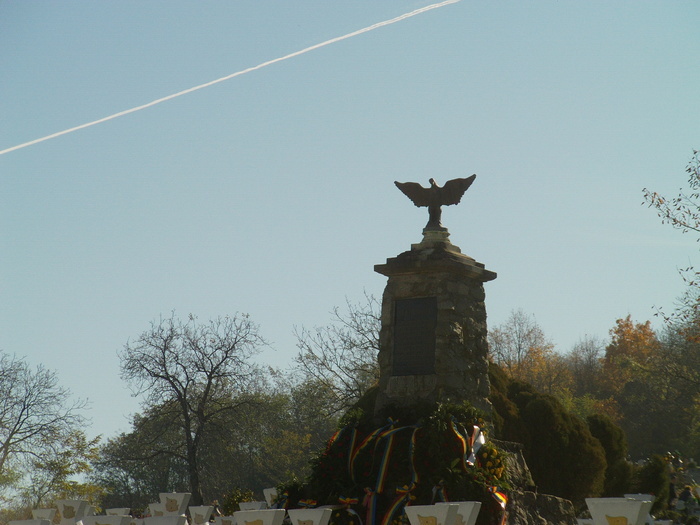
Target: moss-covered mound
420, 455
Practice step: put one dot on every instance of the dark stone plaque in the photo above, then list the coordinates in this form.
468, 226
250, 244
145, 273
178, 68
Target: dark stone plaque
414, 336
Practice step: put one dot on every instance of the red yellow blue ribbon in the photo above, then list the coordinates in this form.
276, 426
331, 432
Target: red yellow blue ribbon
502, 500
351, 448
463, 442
364, 444
370, 503
404, 498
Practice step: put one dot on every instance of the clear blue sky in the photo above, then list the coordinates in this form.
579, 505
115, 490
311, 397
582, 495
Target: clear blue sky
272, 193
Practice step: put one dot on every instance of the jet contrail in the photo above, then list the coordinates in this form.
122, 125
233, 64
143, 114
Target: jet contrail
232, 75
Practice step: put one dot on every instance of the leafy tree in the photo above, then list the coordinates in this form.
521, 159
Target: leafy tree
680, 359
643, 395
678, 372
54, 477
266, 439
135, 467
190, 373
339, 360
37, 420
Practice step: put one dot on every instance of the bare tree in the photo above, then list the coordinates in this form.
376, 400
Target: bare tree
36, 416
190, 374
585, 363
513, 343
340, 358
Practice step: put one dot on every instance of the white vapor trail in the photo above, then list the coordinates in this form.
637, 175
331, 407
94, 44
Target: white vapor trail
227, 77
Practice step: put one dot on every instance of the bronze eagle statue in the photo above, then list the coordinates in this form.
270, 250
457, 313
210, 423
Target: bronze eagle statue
435, 196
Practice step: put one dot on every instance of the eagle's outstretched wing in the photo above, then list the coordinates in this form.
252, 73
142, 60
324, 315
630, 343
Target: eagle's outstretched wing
419, 195
452, 191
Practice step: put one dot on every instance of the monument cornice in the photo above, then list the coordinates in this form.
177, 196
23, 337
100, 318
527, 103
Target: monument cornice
435, 258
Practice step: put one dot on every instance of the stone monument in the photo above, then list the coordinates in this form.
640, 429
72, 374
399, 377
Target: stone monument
433, 337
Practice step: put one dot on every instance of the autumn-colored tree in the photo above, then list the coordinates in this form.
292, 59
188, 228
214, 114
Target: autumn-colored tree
629, 354
547, 371
657, 408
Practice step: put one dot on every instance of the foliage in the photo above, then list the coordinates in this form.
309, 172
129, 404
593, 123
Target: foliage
339, 360
189, 372
230, 501
133, 467
417, 456
653, 478
556, 442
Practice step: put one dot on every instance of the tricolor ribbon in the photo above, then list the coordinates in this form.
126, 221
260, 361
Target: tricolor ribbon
365, 443
282, 501
502, 500
308, 503
384, 463
463, 442
351, 448
404, 498
370, 503
348, 501
334, 438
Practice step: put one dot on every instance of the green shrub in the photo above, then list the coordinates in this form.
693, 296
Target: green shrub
563, 456
565, 459
618, 474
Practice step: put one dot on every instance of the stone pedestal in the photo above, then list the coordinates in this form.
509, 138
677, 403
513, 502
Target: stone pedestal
433, 337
